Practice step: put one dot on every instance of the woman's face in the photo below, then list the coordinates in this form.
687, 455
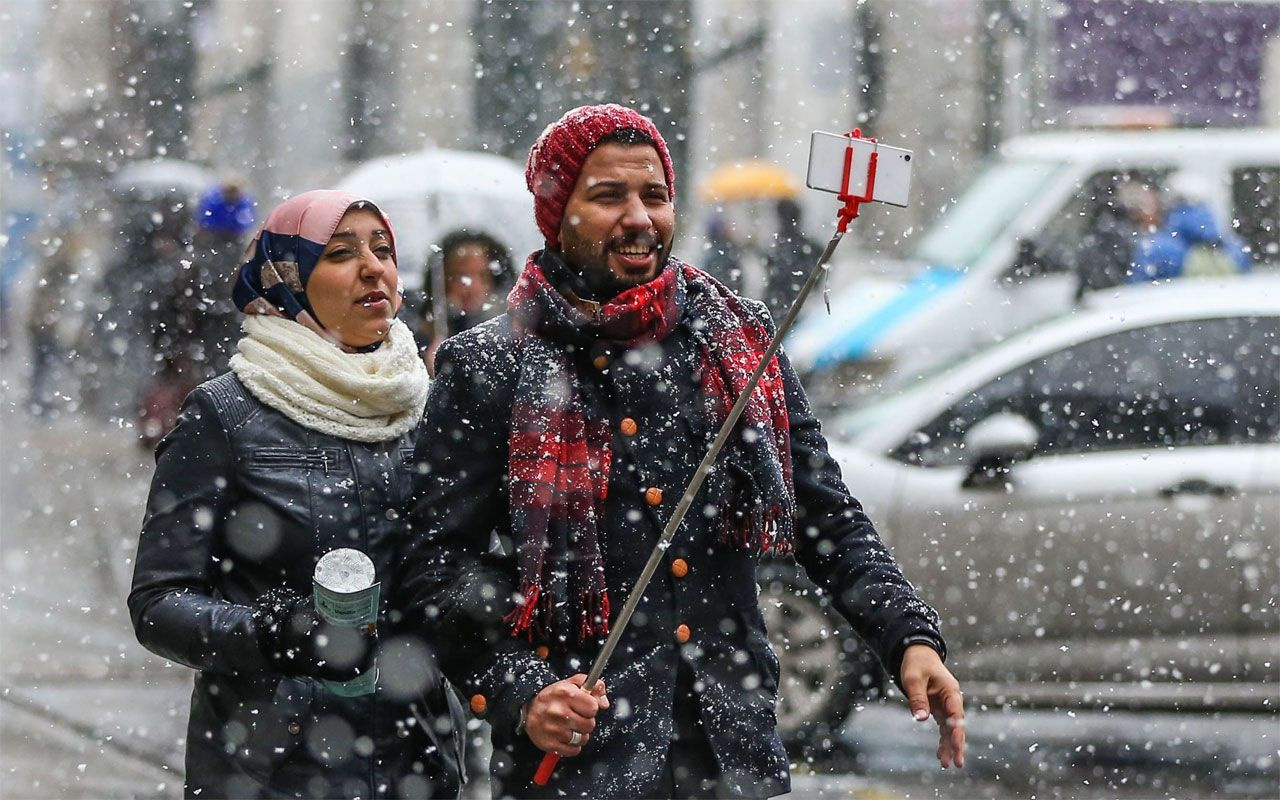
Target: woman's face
352, 288
468, 278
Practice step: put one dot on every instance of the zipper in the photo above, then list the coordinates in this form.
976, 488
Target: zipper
317, 458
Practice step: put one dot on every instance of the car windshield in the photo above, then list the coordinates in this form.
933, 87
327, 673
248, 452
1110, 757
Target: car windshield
1000, 192
899, 388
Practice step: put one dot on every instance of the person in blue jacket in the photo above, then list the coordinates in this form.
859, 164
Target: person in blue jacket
1189, 241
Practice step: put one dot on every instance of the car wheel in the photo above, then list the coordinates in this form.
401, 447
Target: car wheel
825, 669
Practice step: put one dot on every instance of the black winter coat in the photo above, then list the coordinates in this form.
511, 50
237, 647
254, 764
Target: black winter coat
459, 587
244, 500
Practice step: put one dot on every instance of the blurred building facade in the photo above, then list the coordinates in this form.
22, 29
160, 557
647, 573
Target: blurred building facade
289, 94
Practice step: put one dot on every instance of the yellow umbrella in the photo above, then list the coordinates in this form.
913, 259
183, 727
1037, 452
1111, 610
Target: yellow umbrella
748, 180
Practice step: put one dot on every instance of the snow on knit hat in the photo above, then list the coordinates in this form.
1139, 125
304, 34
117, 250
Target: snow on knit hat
557, 157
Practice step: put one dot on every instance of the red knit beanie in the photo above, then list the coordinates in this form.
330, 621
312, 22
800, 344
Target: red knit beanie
557, 157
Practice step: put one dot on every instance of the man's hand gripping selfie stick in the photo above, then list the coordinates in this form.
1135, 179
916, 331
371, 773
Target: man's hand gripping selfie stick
847, 214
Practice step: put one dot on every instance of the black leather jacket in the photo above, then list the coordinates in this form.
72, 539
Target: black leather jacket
244, 500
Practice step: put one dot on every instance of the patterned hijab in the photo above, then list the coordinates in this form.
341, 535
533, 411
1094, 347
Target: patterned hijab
280, 258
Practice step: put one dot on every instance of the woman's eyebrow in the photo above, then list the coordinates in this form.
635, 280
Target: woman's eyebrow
349, 235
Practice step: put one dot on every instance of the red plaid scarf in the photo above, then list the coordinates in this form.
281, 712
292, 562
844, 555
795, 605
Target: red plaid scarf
559, 447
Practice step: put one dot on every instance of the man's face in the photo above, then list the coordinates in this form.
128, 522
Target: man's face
619, 220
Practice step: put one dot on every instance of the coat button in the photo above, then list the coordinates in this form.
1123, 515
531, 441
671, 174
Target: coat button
679, 567
478, 704
600, 362
293, 727
543, 651
628, 427
392, 514
682, 633
653, 496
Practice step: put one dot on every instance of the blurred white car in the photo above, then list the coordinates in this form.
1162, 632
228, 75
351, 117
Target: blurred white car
1003, 255
1094, 505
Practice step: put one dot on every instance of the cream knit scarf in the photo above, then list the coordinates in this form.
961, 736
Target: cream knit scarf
364, 397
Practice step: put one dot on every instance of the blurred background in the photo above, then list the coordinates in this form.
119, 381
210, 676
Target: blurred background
1013, 367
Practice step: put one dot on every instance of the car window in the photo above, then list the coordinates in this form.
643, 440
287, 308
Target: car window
1074, 235
1255, 196
1196, 382
995, 197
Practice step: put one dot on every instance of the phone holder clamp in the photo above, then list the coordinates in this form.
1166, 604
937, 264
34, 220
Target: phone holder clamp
849, 211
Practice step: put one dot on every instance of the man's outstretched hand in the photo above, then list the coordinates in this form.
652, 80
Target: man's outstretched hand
932, 689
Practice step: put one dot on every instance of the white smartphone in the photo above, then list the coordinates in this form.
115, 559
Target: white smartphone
826, 167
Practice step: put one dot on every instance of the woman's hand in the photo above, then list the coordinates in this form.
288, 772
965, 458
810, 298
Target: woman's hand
299, 642
560, 711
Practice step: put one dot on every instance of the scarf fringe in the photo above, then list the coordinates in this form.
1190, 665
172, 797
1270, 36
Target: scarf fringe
531, 618
754, 531
595, 613
521, 618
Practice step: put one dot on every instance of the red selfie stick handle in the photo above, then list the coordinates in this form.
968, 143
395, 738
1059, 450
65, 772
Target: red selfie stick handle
545, 769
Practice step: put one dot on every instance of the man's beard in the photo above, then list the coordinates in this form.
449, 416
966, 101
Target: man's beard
603, 283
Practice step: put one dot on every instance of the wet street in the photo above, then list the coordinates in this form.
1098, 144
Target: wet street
86, 712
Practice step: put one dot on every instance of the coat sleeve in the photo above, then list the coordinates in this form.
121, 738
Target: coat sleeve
840, 550
174, 605
453, 586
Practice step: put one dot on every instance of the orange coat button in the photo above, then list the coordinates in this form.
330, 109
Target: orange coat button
628, 427
653, 496
543, 651
682, 633
679, 567
478, 704
600, 362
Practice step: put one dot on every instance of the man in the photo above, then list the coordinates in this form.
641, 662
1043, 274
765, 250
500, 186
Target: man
789, 260
570, 426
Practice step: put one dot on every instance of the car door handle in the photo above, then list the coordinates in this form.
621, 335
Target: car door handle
1199, 486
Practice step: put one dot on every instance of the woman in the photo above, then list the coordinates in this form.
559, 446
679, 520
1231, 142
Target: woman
466, 284
302, 448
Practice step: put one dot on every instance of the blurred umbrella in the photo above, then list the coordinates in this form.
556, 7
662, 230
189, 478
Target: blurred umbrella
749, 180
163, 175
434, 192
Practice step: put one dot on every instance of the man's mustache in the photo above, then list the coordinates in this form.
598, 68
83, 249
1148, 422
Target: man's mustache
641, 239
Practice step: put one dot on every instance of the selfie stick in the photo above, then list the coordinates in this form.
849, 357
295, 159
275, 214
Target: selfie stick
846, 214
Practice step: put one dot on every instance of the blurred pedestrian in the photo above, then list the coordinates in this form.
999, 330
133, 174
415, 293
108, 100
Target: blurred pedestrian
466, 282
65, 253
302, 448
130, 318
568, 427
191, 317
723, 259
789, 259
1189, 241
1104, 256
225, 217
